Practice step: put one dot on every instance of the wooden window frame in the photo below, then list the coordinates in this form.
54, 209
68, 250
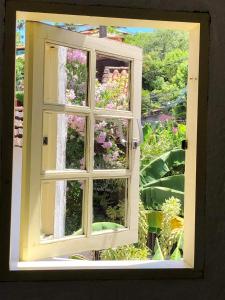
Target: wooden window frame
198, 26
37, 36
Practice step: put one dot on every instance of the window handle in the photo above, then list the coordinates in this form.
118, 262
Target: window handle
45, 140
184, 144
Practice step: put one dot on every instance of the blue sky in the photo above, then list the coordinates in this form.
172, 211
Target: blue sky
133, 30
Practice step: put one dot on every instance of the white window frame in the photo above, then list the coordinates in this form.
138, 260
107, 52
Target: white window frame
37, 37
184, 21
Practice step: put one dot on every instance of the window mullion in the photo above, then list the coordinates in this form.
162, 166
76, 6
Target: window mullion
90, 144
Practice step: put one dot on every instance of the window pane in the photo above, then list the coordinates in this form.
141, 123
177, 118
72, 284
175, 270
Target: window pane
112, 83
111, 144
63, 141
66, 71
109, 204
61, 208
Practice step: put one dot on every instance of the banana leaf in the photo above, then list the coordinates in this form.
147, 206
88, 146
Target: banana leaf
153, 197
175, 182
154, 219
162, 165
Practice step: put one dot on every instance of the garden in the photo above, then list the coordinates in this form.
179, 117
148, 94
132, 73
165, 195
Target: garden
162, 161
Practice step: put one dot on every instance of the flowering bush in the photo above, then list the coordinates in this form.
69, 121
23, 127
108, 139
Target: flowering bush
113, 94
110, 144
158, 139
77, 77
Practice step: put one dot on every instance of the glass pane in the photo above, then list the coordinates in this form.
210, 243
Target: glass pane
111, 144
61, 208
66, 75
109, 204
112, 82
63, 141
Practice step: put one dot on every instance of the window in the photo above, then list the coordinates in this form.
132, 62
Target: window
58, 122
50, 174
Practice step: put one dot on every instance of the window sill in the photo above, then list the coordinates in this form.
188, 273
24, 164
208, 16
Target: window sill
68, 264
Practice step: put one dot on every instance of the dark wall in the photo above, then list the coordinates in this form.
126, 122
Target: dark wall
212, 287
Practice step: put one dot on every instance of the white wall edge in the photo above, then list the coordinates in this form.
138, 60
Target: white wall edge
70, 264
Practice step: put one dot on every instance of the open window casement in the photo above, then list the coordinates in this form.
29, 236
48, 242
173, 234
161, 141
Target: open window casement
66, 176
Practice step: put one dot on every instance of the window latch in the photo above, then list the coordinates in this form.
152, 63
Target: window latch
45, 140
184, 144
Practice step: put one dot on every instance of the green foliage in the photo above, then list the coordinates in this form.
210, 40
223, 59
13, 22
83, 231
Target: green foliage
108, 200
74, 196
154, 219
158, 255
159, 139
168, 237
165, 66
146, 104
117, 213
177, 253
99, 226
165, 165
20, 97
137, 251
74, 149
160, 41
164, 78
169, 245
20, 62
153, 197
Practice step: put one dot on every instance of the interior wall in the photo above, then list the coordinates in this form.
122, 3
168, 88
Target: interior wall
212, 285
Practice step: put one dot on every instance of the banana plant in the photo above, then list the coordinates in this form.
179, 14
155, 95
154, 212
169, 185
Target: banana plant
163, 178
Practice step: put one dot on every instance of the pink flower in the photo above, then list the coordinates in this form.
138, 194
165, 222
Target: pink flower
110, 105
175, 130
107, 145
101, 138
100, 125
107, 157
164, 118
70, 95
76, 55
77, 123
115, 155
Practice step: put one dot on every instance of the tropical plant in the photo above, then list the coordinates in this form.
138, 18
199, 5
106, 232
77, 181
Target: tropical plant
20, 62
163, 178
169, 235
137, 251
160, 138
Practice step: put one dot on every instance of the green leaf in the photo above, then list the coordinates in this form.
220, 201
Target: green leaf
154, 197
176, 255
158, 252
162, 165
